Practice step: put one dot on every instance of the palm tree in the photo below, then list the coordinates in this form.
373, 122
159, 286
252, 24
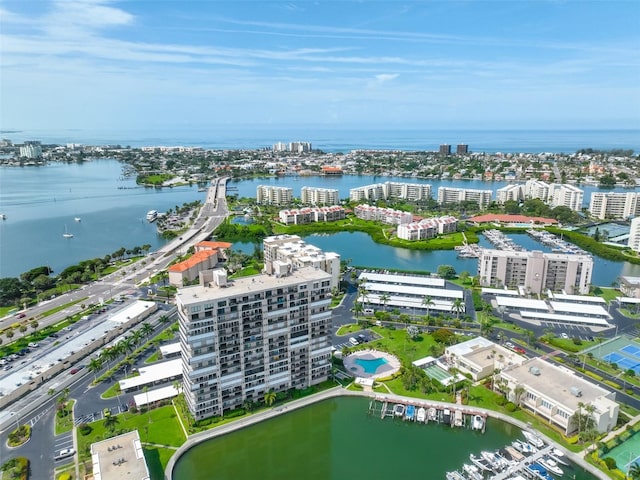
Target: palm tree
270, 398
428, 303
146, 391
95, 364
357, 309
518, 392
164, 319
110, 422
34, 325
634, 471
384, 299
457, 307
146, 329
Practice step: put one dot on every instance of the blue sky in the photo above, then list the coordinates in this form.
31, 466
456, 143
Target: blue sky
158, 64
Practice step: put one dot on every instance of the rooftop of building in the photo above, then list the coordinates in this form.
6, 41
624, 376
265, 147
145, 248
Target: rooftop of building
120, 458
195, 259
390, 278
506, 218
152, 374
631, 281
557, 383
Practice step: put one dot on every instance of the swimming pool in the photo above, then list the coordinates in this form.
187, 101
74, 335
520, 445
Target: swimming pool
370, 366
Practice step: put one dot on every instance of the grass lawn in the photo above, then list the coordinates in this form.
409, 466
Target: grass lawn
401, 345
154, 357
609, 294
347, 329
157, 459
65, 424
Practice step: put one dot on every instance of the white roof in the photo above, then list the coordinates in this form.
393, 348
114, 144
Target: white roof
155, 395
170, 348
410, 302
132, 311
564, 318
522, 303
563, 297
415, 291
629, 300
402, 279
153, 373
499, 291
578, 308
464, 348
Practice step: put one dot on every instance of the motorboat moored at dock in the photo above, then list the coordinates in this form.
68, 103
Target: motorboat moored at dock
398, 410
410, 412
422, 415
533, 439
152, 215
478, 422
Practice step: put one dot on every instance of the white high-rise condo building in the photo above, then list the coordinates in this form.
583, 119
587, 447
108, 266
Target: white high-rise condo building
565, 195
270, 195
536, 271
319, 196
31, 149
243, 338
448, 195
614, 205
412, 192
537, 189
513, 193
634, 235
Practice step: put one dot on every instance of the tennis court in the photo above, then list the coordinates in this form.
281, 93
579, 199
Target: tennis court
624, 351
627, 453
438, 373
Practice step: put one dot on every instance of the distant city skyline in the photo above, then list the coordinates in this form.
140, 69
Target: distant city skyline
108, 65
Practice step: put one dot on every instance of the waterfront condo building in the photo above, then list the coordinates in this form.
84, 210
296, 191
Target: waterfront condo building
384, 215
270, 195
412, 192
614, 205
427, 228
31, 149
536, 271
299, 216
564, 195
462, 149
319, 196
507, 193
634, 235
449, 195
293, 251
243, 338
537, 189
445, 149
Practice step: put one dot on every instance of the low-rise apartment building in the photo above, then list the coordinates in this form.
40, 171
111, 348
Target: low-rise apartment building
300, 216
208, 255
384, 215
427, 228
480, 357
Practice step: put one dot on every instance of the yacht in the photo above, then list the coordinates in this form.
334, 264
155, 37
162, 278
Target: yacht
533, 439
422, 415
455, 475
480, 462
539, 471
524, 447
152, 215
66, 234
478, 422
473, 473
551, 465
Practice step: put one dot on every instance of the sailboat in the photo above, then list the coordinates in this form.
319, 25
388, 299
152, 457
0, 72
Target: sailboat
66, 234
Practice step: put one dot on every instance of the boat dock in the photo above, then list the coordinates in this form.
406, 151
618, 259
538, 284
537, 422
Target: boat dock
425, 412
500, 241
522, 467
551, 240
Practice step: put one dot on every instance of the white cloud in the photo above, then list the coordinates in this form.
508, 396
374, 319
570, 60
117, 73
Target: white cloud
386, 77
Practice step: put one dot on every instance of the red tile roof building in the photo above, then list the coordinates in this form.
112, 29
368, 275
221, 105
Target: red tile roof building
507, 219
207, 256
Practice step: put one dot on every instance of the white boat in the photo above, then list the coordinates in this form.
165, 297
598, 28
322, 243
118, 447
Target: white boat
77, 219
398, 410
455, 475
524, 447
432, 414
66, 234
152, 215
3, 216
422, 415
473, 473
551, 465
478, 422
533, 439
481, 463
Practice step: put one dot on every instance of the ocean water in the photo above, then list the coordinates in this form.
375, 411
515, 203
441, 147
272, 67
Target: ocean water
332, 139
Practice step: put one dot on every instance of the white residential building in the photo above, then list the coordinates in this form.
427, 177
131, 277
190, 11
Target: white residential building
556, 393
536, 271
371, 193
384, 215
412, 192
31, 149
537, 189
634, 235
427, 228
270, 195
565, 195
299, 216
507, 193
614, 205
480, 357
319, 196
448, 195
243, 338
292, 251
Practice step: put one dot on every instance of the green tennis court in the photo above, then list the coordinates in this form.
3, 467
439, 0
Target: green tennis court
434, 371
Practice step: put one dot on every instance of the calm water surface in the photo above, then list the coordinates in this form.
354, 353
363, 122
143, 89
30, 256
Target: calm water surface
337, 439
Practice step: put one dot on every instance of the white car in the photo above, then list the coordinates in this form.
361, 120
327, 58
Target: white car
564, 335
65, 452
509, 345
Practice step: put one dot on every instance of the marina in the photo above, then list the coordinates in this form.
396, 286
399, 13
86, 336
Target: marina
500, 241
556, 244
424, 412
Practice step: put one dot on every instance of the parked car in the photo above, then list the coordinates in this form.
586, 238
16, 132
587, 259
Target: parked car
510, 345
75, 370
564, 335
22, 315
519, 350
64, 453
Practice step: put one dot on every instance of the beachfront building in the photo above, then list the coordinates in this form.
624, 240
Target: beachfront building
427, 228
480, 357
294, 252
445, 149
565, 195
614, 205
120, 457
450, 195
208, 255
387, 290
384, 215
319, 196
634, 234
31, 149
300, 216
411, 192
462, 149
270, 195
556, 393
243, 338
535, 271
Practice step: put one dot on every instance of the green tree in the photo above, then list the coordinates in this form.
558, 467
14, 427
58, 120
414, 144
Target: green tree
428, 302
447, 272
457, 307
110, 422
269, 398
95, 364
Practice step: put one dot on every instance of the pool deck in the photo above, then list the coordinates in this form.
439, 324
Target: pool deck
387, 369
